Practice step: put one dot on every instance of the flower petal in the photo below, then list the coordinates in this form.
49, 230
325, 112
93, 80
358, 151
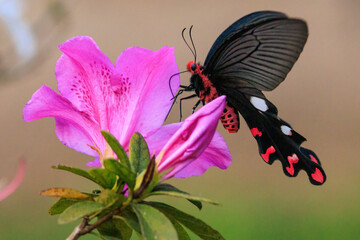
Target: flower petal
75, 129
192, 138
83, 73
15, 183
216, 154
141, 84
95, 163
157, 140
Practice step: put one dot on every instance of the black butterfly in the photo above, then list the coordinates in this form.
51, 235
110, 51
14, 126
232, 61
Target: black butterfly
255, 54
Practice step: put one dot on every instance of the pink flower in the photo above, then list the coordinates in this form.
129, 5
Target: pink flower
15, 183
132, 96
189, 148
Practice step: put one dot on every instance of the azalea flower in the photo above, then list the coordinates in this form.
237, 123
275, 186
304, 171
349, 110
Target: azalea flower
189, 148
132, 96
15, 183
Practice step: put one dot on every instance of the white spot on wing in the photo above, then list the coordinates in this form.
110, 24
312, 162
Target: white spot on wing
259, 103
286, 130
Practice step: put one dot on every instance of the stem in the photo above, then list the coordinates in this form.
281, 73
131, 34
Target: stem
75, 234
84, 228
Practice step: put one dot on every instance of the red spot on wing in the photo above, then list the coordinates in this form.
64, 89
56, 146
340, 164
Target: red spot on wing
292, 159
266, 155
317, 176
313, 159
255, 132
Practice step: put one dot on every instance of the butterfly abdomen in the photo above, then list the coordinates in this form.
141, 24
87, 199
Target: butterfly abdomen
207, 92
230, 119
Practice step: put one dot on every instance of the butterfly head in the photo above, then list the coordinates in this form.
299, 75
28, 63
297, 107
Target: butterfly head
191, 67
194, 68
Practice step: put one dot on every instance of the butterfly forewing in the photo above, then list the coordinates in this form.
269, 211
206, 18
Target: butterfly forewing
260, 54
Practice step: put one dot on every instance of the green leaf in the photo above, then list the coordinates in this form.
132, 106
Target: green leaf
61, 205
123, 228
76, 171
130, 218
103, 237
138, 153
64, 193
115, 229
79, 210
167, 189
154, 224
103, 177
195, 225
162, 188
120, 170
117, 148
181, 232
111, 199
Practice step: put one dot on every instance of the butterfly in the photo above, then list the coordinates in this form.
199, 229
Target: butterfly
252, 55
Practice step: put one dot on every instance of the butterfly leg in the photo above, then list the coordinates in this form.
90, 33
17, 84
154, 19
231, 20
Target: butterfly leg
185, 98
195, 106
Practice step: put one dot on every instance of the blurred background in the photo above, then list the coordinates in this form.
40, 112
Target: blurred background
319, 99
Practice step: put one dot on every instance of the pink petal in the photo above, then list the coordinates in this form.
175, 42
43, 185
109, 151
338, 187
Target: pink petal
192, 138
83, 73
75, 129
141, 84
158, 139
95, 163
15, 183
216, 154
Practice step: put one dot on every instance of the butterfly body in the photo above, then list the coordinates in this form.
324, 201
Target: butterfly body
206, 91
253, 55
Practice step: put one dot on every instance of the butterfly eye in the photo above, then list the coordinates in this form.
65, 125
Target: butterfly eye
193, 66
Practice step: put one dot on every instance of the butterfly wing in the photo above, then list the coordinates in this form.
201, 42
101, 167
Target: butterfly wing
256, 51
275, 137
252, 55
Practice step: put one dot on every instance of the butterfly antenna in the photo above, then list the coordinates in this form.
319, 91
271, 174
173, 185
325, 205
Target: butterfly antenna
183, 37
192, 43
172, 93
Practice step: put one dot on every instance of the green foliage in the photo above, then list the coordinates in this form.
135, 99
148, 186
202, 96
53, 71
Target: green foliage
79, 210
103, 177
117, 207
117, 148
154, 224
120, 170
138, 153
167, 189
115, 228
61, 205
111, 199
197, 226
76, 171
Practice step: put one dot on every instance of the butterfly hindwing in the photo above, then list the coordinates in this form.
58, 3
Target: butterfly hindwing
276, 139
